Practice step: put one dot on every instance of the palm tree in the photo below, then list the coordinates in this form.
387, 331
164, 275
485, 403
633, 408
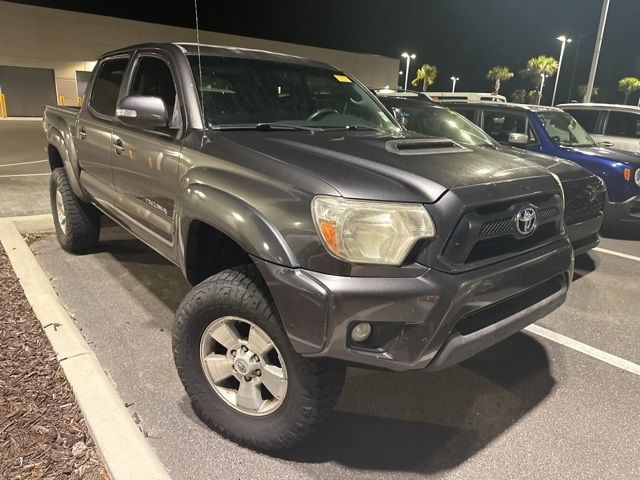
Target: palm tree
582, 90
499, 74
427, 75
533, 97
628, 85
537, 66
519, 95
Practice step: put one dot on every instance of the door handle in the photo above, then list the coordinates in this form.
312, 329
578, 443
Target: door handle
83, 133
118, 146
606, 144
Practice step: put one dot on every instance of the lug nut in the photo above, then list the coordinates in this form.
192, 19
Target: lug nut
247, 378
233, 353
255, 358
258, 372
244, 348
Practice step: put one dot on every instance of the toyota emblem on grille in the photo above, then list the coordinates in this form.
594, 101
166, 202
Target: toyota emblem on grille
526, 221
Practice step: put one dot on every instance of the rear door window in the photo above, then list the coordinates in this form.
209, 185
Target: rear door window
623, 124
587, 118
106, 87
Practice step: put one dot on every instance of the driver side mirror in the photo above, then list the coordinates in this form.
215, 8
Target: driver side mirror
142, 111
518, 139
399, 116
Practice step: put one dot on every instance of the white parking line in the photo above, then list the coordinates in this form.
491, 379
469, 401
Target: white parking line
617, 254
25, 175
565, 341
22, 163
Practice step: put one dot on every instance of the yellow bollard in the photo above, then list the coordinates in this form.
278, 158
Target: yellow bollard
3, 106
61, 100
79, 101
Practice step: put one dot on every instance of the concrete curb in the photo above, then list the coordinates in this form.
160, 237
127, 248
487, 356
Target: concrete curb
125, 451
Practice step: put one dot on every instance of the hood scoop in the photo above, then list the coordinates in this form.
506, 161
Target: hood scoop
424, 146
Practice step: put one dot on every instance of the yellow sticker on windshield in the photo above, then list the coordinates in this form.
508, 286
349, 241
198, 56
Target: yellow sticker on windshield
343, 78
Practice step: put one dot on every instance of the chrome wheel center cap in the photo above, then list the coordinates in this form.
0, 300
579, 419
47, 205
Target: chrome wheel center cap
241, 367
246, 363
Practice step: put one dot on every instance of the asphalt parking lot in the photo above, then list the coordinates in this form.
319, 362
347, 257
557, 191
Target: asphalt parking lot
528, 408
24, 169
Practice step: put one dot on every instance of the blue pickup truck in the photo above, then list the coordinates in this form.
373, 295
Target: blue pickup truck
551, 131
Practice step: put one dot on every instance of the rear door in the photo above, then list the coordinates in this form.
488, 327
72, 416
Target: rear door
622, 130
145, 162
95, 124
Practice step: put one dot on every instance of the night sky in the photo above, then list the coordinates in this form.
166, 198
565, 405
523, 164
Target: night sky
461, 37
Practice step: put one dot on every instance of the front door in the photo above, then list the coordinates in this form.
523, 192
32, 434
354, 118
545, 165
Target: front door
93, 137
145, 162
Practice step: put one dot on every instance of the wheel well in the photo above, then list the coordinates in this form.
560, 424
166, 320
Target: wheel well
209, 251
55, 159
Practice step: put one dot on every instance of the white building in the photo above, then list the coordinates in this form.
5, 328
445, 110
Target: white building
46, 54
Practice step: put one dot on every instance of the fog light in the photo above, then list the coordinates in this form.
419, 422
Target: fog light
361, 332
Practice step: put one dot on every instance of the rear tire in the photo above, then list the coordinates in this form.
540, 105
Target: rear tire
77, 223
230, 307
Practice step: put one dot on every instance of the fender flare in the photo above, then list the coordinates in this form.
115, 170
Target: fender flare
66, 149
234, 217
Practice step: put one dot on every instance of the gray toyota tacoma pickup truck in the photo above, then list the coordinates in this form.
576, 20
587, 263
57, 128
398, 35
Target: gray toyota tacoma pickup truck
315, 230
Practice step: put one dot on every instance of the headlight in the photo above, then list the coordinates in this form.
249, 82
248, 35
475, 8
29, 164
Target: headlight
361, 231
637, 177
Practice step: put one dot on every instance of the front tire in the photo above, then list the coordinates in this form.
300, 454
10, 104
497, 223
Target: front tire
77, 223
238, 367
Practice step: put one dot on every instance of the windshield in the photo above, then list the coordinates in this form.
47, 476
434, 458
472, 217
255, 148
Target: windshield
240, 92
564, 130
442, 122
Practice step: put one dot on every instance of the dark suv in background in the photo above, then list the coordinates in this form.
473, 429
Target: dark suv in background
584, 192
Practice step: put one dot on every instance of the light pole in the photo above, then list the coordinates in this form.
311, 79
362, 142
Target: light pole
596, 52
564, 41
454, 80
406, 70
542, 77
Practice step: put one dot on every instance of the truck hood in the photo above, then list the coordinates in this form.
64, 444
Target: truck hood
369, 165
565, 170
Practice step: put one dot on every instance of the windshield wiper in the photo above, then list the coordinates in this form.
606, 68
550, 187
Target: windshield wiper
263, 127
348, 127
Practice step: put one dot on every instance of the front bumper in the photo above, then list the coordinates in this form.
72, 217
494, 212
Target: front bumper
627, 212
438, 318
584, 235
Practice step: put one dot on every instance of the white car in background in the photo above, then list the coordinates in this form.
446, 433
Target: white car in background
610, 125
466, 97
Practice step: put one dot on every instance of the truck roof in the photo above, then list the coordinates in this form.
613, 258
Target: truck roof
601, 106
226, 51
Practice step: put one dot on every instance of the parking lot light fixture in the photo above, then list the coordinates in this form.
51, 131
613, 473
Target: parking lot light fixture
454, 79
564, 39
409, 57
542, 77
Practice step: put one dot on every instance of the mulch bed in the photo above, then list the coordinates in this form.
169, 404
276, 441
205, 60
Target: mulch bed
43, 434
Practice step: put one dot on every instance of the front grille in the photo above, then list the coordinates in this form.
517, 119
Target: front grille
506, 225
497, 246
490, 231
585, 200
